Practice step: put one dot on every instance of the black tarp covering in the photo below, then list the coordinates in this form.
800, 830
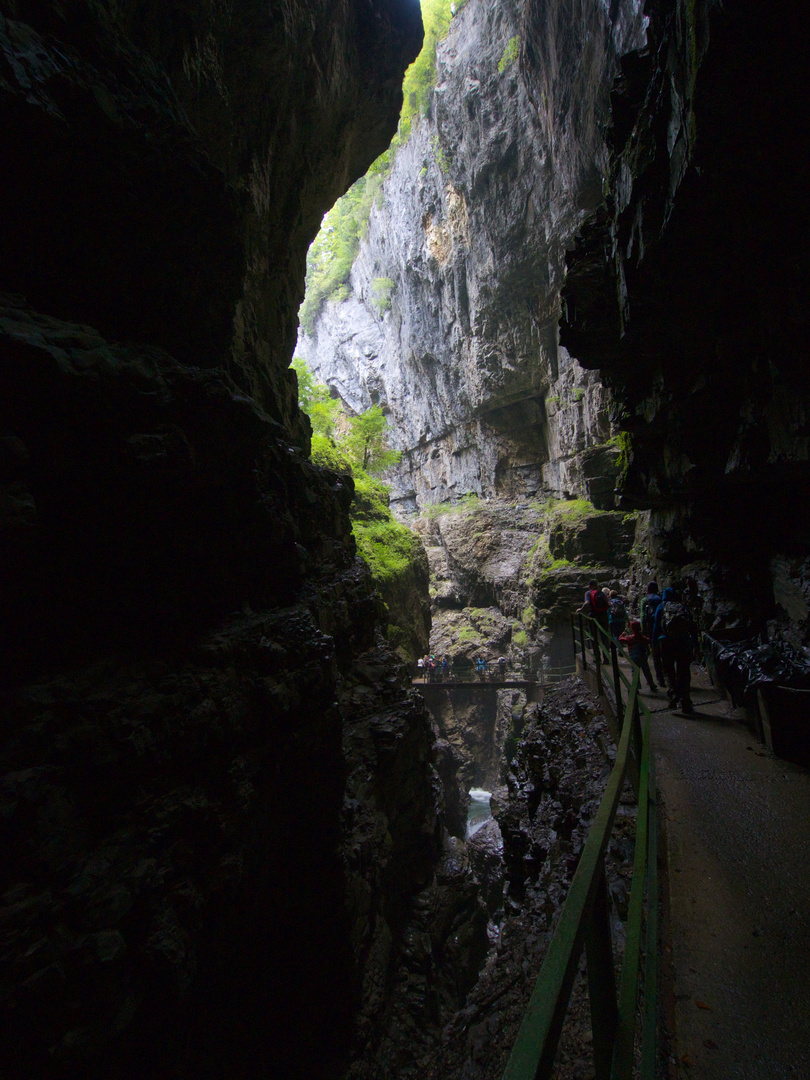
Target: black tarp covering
743, 667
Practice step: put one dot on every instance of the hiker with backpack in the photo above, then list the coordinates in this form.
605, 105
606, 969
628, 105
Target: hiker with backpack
652, 601
597, 606
674, 631
638, 649
617, 614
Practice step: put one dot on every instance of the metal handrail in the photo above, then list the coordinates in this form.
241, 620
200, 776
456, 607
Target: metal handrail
584, 922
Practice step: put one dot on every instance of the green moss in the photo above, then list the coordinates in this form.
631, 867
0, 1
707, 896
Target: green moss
467, 504
442, 159
625, 454
388, 547
468, 635
510, 53
520, 638
573, 508
381, 289
370, 499
578, 394
554, 566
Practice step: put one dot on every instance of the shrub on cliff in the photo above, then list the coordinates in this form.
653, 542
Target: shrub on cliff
394, 553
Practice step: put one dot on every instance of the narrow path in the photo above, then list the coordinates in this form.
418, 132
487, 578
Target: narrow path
737, 826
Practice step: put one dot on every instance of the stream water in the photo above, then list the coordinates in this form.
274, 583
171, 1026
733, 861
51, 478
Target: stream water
479, 813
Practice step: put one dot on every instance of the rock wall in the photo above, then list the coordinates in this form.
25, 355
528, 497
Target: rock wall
476, 215
189, 642
687, 292
649, 161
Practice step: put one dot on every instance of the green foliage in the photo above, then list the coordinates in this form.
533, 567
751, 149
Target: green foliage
578, 394
364, 448
520, 638
315, 400
366, 442
382, 288
306, 383
329, 456
330, 258
468, 635
510, 53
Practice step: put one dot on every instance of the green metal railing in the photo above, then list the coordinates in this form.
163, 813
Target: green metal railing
584, 921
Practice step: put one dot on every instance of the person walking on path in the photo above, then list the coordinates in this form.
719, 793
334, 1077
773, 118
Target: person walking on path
652, 601
674, 630
597, 607
638, 649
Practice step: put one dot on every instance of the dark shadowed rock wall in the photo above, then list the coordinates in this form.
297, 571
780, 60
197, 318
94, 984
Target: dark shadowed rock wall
188, 641
688, 291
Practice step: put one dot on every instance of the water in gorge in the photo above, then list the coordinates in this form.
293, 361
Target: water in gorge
479, 813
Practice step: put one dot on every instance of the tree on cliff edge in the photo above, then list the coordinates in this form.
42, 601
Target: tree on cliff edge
366, 442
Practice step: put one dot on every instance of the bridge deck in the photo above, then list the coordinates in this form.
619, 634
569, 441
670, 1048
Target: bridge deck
480, 684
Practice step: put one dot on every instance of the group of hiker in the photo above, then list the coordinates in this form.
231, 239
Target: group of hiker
666, 629
431, 669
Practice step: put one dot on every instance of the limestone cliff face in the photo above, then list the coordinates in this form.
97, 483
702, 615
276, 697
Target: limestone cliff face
476, 216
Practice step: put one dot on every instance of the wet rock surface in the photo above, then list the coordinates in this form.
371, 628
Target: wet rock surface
554, 785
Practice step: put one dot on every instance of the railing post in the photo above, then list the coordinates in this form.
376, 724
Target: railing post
597, 656
617, 682
582, 642
601, 981
638, 738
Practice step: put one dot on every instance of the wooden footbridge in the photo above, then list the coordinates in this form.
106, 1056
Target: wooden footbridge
531, 683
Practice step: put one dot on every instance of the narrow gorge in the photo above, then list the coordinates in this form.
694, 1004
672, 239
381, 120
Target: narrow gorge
235, 831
